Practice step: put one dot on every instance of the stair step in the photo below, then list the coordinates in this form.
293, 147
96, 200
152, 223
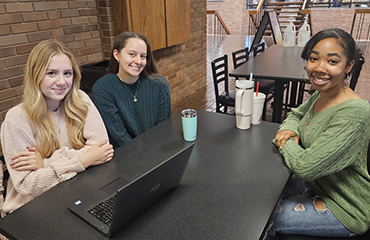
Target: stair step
285, 3
284, 7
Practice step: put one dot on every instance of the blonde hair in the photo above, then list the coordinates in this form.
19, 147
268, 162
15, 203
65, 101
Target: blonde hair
72, 107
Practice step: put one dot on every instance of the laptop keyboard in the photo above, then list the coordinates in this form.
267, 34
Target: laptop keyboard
103, 211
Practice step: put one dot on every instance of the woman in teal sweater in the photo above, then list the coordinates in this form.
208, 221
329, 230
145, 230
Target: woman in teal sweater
324, 142
132, 97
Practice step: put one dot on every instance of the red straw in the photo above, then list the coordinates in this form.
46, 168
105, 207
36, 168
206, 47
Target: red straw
258, 84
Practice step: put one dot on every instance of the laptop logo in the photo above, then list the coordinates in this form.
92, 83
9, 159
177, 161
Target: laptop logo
155, 187
78, 202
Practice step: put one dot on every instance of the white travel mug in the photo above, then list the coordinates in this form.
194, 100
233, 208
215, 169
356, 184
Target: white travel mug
244, 103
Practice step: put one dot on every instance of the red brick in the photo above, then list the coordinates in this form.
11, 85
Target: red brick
80, 21
91, 4
85, 51
48, 25
10, 93
62, 5
4, 84
26, 48
38, 36
2, 8
72, 30
14, 61
18, 7
82, 36
69, 13
4, 30
89, 28
13, 39
23, 28
65, 22
67, 38
10, 72
35, 16
77, 4
53, 15
16, 81
88, 12
5, 105
44, 6
10, 18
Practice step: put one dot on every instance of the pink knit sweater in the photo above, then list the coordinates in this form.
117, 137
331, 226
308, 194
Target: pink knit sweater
17, 135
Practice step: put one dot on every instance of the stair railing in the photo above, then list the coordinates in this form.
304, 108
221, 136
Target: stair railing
360, 29
215, 24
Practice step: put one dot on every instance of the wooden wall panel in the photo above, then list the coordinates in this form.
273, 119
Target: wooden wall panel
178, 21
148, 18
122, 15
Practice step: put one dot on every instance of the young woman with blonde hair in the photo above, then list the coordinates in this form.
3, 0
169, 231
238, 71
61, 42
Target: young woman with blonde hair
56, 132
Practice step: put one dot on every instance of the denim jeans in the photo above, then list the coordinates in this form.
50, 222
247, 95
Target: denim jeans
300, 213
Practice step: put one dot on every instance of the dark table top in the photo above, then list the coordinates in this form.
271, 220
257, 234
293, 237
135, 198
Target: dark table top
232, 184
276, 62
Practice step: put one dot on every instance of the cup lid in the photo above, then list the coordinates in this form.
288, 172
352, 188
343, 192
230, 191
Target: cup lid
188, 113
244, 84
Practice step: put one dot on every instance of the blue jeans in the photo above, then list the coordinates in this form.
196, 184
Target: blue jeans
300, 212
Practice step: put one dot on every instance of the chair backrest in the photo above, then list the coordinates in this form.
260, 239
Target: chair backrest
240, 56
220, 74
258, 48
356, 71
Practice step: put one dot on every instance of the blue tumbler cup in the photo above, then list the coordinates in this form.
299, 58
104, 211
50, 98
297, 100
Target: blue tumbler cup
189, 124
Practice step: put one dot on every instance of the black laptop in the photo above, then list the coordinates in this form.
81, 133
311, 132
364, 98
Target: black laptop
120, 201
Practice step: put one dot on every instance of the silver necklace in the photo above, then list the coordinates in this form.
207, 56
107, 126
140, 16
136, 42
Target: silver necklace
137, 88
309, 117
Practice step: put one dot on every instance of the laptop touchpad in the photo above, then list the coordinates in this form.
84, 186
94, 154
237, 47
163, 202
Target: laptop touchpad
113, 186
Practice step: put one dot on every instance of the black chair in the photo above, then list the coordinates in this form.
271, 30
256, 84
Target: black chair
225, 97
360, 60
266, 86
365, 236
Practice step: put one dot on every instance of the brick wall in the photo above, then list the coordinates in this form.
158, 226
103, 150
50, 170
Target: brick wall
87, 27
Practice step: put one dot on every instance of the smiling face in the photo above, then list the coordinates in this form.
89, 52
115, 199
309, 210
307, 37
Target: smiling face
132, 60
57, 81
327, 66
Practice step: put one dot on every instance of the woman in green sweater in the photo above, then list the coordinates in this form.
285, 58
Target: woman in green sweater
324, 142
132, 97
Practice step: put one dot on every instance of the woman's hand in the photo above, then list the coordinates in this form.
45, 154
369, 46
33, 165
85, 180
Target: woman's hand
30, 160
97, 154
283, 136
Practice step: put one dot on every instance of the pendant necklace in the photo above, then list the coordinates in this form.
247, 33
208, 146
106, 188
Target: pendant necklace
309, 117
137, 88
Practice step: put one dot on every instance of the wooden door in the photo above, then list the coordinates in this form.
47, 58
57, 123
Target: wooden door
177, 21
148, 18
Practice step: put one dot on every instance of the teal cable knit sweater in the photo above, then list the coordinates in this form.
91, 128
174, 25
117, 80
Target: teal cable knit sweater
332, 157
124, 118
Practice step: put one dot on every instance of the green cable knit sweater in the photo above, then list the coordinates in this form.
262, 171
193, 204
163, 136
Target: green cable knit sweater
332, 157
124, 118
